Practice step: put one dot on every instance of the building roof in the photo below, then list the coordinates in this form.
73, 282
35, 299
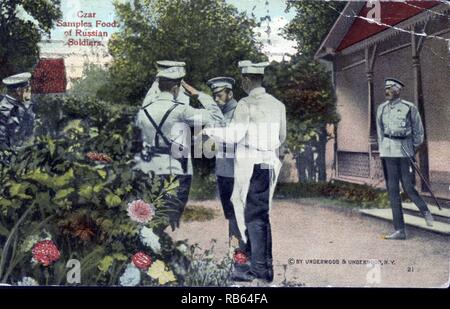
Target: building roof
353, 26
49, 77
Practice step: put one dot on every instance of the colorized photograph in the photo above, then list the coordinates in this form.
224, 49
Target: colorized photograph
224, 143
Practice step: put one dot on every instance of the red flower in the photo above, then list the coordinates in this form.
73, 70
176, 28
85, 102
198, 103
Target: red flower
101, 157
142, 260
46, 252
240, 257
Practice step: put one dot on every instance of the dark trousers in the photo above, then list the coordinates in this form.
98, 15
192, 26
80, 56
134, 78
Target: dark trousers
257, 221
225, 187
176, 202
398, 170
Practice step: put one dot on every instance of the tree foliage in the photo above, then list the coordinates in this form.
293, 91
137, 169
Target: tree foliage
19, 36
311, 23
211, 36
305, 88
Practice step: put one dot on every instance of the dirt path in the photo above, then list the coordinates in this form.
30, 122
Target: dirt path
311, 241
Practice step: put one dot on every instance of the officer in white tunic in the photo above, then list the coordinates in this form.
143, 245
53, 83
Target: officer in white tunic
400, 133
154, 91
16, 114
222, 88
165, 126
258, 128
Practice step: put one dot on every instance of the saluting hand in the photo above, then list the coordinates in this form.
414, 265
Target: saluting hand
190, 90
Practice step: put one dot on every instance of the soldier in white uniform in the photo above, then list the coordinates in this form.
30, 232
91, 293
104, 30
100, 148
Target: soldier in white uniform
154, 91
16, 114
222, 88
258, 128
165, 126
400, 133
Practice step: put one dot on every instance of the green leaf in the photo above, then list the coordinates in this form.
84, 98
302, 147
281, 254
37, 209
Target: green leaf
74, 125
112, 200
40, 177
86, 191
119, 191
105, 263
106, 224
18, 190
98, 188
102, 173
5, 203
51, 146
61, 181
120, 257
15, 189
61, 194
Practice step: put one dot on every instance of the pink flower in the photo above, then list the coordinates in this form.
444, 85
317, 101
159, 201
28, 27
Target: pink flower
142, 260
46, 252
141, 211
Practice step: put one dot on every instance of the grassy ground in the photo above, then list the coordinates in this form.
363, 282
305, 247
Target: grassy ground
195, 212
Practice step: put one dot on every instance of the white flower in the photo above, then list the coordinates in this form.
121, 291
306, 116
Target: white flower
183, 248
27, 281
131, 276
150, 239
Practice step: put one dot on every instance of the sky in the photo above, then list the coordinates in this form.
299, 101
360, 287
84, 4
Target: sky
274, 45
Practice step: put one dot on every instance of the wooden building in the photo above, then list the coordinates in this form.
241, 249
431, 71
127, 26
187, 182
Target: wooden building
410, 41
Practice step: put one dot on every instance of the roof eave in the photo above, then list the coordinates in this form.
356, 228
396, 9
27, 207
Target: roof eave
339, 29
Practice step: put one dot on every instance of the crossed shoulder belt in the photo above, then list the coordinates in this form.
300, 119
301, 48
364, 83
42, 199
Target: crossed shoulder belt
157, 149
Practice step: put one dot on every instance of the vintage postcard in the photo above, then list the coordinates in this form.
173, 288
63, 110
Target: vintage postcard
224, 143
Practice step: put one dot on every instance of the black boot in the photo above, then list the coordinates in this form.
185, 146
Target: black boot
261, 248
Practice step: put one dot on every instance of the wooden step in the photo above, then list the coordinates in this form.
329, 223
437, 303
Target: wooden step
386, 214
445, 212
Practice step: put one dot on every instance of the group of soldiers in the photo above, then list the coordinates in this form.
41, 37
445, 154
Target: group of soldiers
247, 163
248, 135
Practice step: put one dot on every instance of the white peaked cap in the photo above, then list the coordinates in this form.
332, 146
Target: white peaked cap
221, 82
172, 73
18, 80
248, 67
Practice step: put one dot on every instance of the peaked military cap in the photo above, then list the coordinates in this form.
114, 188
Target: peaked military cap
17, 81
248, 67
172, 73
219, 83
164, 64
389, 82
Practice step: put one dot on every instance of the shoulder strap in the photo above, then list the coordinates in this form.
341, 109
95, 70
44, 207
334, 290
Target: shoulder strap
144, 107
158, 128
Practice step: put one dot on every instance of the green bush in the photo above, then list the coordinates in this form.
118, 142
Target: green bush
363, 195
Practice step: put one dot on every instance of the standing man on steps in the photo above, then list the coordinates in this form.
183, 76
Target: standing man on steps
400, 133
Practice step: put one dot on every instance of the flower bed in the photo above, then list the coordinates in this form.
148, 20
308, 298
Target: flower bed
74, 212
